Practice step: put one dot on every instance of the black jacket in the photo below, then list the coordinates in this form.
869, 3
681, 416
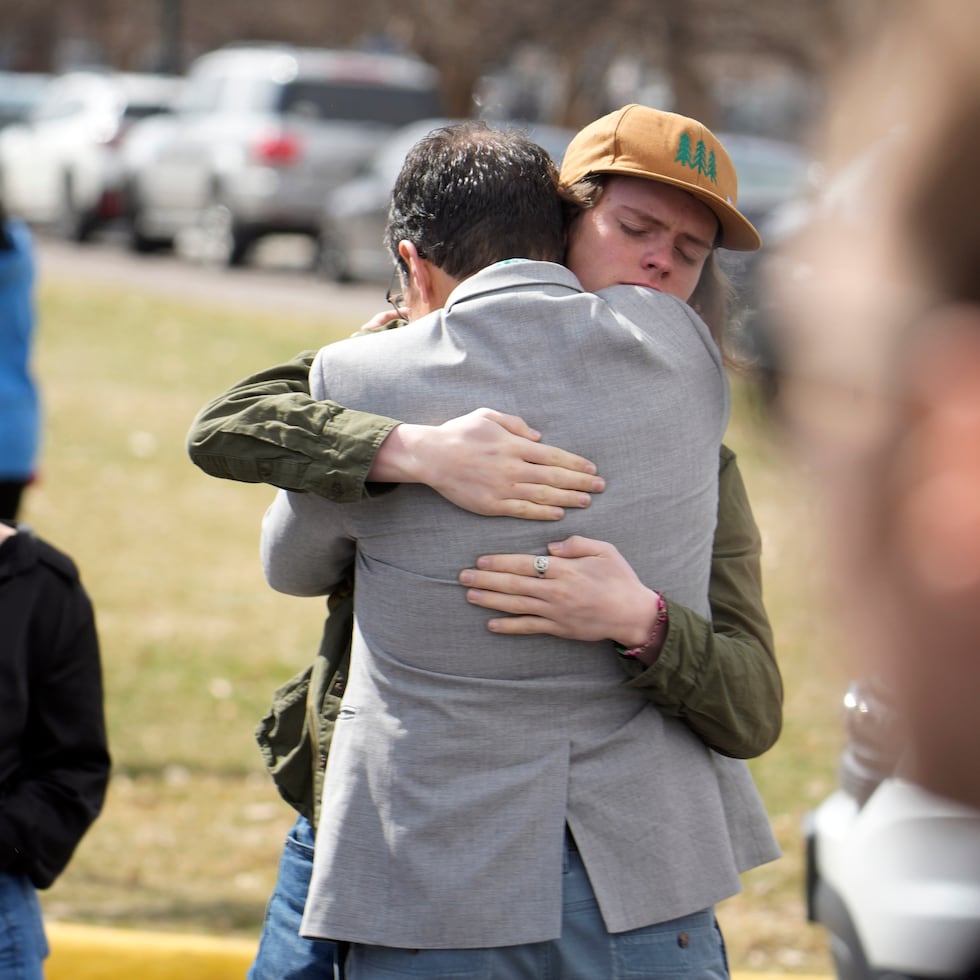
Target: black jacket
54, 761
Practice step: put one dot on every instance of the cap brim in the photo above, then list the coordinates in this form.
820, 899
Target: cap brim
737, 232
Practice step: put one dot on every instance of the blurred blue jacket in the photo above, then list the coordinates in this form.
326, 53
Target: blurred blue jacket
19, 403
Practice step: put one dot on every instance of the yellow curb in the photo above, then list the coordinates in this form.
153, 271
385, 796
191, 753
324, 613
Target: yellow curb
94, 953
97, 953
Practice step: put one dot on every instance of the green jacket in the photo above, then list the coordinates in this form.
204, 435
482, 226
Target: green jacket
720, 676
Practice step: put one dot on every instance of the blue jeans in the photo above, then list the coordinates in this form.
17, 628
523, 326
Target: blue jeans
690, 947
283, 954
23, 946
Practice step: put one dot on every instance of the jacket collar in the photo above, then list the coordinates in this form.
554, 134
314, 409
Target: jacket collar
513, 274
17, 553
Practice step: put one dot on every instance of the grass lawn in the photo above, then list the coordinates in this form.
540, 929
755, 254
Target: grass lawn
194, 642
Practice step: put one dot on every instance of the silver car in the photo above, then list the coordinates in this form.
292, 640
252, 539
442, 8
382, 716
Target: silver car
20, 93
61, 165
354, 215
260, 134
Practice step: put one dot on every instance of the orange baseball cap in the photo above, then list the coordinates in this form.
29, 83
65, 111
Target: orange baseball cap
638, 141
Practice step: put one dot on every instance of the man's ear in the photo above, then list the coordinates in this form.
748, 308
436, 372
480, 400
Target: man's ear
938, 504
430, 286
419, 273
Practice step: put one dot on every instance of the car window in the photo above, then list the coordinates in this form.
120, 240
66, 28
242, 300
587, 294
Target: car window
357, 102
389, 160
554, 139
20, 95
251, 95
204, 95
766, 168
779, 178
59, 108
140, 110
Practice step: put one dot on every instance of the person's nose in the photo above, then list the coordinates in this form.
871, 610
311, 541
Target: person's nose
657, 259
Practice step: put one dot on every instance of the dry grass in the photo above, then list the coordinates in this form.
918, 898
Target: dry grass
194, 642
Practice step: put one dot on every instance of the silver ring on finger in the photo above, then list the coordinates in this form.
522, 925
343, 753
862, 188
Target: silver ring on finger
541, 565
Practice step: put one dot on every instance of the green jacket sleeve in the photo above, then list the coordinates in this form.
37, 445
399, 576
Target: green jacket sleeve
267, 429
721, 676
294, 735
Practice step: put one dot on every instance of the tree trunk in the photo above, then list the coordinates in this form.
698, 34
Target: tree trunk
692, 94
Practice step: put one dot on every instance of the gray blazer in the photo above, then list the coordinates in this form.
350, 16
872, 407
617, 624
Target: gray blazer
460, 755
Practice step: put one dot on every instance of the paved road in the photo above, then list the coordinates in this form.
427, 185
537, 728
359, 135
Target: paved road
279, 279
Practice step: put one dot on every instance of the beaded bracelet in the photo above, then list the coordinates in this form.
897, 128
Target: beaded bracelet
656, 636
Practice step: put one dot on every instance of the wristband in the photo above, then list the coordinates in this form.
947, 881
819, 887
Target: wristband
655, 641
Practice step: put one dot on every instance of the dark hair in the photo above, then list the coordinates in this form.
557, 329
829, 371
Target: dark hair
468, 196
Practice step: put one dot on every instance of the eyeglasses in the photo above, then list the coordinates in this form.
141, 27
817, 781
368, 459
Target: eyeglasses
396, 296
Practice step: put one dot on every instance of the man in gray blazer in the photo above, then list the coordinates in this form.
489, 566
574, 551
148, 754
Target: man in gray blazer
462, 762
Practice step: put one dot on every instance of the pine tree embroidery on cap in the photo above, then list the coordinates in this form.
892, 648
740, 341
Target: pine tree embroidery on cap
700, 157
702, 160
684, 151
712, 172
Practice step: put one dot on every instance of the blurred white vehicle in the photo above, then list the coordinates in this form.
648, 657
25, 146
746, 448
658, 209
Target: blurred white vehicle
20, 92
61, 165
354, 215
893, 871
260, 134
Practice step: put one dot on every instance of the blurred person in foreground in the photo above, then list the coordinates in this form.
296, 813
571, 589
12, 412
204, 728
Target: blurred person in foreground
54, 761
19, 410
480, 811
719, 676
881, 377
880, 390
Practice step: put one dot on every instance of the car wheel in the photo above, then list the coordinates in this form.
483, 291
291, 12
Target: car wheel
219, 239
74, 222
135, 238
140, 243
330, 260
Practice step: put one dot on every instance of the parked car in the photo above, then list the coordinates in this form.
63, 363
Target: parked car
20, 92
260, 134
771, 174
61, 165
892, 870
354, 214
